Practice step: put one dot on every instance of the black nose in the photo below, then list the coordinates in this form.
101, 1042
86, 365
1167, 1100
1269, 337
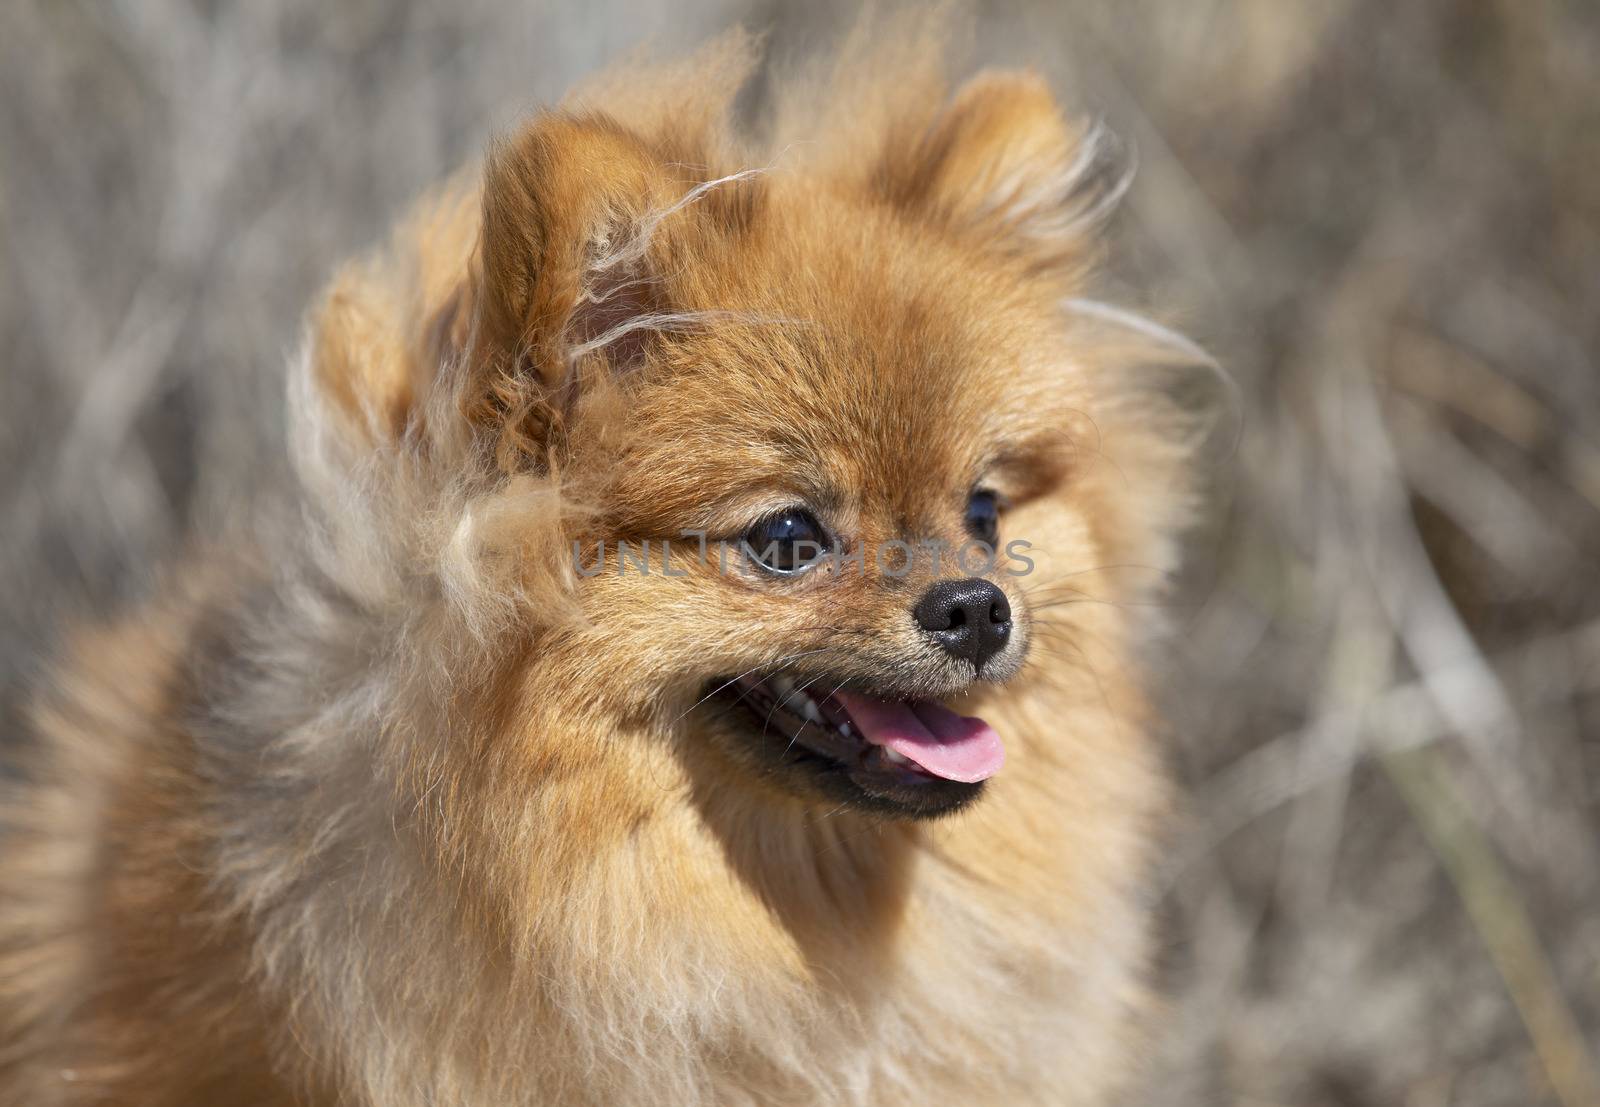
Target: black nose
969, 618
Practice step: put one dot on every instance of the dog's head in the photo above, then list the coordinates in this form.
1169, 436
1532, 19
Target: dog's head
827, 431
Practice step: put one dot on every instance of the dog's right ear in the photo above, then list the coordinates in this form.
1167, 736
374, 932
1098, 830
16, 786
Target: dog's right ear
567, 266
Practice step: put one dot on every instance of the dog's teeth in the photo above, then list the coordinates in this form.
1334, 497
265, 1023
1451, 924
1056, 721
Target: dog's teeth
844, 728
895, 756
812, 712
782, 686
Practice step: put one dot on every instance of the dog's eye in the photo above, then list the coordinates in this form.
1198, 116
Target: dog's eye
983, 517
791, 541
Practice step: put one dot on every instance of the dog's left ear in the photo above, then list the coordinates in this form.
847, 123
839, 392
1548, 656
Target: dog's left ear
1001, 162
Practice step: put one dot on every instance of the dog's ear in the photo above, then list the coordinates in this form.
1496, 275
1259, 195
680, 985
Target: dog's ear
568, 264
1003, 163
498, 290
563, 263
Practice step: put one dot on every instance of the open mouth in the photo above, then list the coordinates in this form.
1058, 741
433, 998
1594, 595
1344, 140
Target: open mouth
903, 756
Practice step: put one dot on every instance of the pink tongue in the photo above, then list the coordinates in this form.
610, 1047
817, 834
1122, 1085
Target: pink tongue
946, 744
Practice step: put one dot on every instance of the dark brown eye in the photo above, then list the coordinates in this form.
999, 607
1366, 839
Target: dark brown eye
790, 541
983, 517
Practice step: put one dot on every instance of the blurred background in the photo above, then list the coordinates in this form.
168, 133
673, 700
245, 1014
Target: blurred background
1383, 218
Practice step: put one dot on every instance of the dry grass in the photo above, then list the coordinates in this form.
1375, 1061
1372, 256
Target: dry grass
1382, 217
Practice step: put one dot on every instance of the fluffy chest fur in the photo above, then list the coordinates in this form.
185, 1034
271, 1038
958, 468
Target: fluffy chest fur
627, 932
673, 942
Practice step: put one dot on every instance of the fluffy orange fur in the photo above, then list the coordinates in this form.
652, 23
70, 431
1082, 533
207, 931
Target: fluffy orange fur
387, 805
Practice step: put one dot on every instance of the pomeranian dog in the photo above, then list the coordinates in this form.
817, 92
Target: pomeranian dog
695, 662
